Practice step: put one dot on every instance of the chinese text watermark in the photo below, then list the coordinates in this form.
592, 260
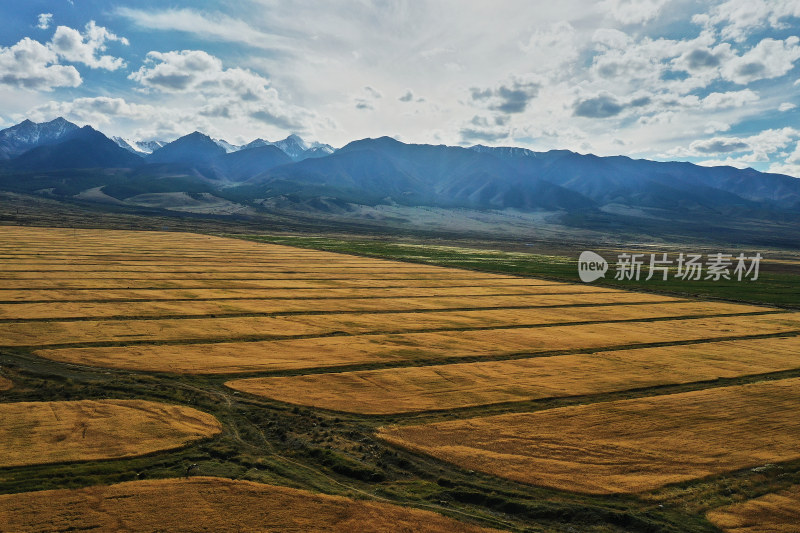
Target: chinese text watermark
686, 267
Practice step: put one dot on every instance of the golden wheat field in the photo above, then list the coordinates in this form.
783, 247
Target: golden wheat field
193, 304
54, 432
623, 446
771, 513
439, 387
93, 295
211, 504
222, 282
283, 303
232, 357
166, 329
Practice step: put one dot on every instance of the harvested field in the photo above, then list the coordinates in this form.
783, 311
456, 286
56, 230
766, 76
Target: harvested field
403, 390
230, 357
379, 337
333, 275
165, 308
211, 504
44, 333
248, 283
54, 432
771, 513
623, 446
92, 295
40, 333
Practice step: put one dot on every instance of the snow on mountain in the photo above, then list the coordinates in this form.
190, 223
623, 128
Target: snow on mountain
138, 147
150, 146
227, 146
295, 147
27, 135
509, 151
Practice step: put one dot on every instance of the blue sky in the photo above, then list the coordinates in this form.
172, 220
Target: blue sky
709, 82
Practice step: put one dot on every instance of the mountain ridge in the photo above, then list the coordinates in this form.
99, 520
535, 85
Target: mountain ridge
383, 171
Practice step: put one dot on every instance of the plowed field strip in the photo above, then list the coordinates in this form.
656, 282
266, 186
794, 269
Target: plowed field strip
623, 446
412, 389
110, 283
43, 333
191, 308
419, 348
56, 276
109, 294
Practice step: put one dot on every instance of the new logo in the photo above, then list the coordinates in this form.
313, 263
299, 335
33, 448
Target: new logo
591, 266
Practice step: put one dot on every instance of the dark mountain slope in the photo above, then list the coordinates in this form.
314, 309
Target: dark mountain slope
193, 149
83, 148
421, 175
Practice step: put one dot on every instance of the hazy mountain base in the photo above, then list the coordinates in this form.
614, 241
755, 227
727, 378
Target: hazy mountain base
144, 194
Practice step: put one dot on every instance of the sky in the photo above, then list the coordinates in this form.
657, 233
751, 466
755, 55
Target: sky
713, 83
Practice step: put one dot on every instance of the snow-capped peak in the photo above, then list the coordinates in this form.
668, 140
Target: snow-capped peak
27, 134
296, 148
228, 147
138, 147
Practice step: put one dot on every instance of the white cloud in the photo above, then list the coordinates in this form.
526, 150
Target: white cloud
31, 65
552, 47
44, 21
752, 149
215, 26
226, 93
739, 18
623, 63
794, 157
729, 162
790, 166
178, 71
782, 168
770, 58
786, 106
97, 111
726, 100
640, 76
633, 11
76, 47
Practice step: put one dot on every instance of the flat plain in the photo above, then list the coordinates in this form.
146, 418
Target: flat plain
53, 432
440, 387
341, 350
623, 446
278, 342
211, 504
337, 321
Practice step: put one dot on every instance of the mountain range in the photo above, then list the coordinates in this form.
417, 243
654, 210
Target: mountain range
63, 160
